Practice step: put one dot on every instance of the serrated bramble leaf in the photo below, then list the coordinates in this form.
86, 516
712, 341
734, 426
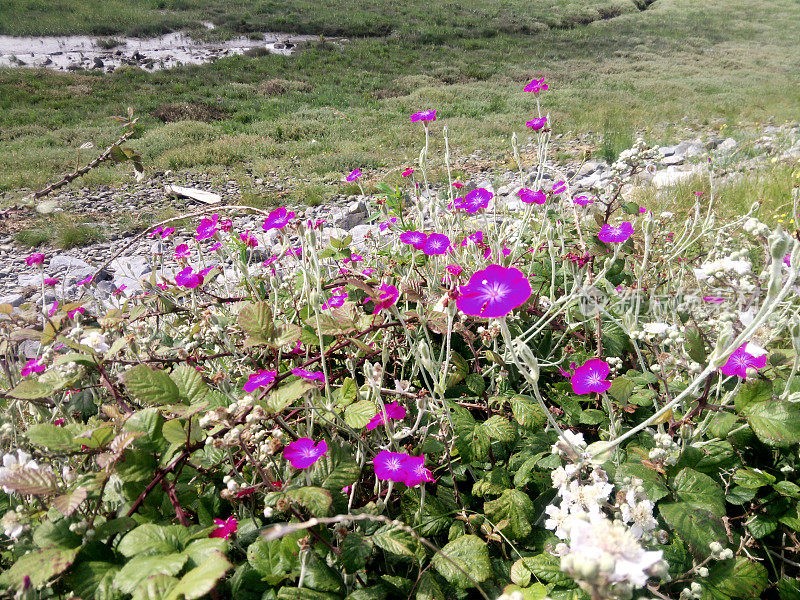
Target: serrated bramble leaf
30, 482
357, 415
394, 540
695, 526
499, 428
40, 565
202, 579
139, 568
151, 385
190, 383
699, 490
68, 503
515, 506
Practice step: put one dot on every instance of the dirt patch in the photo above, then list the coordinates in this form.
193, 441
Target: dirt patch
188, 111
278, 87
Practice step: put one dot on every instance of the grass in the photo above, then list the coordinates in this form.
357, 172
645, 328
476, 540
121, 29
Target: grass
63, 231
331, 108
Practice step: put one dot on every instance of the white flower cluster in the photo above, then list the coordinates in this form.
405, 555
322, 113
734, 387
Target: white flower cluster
96, 341
717, 269
11, 524
755, 227
666, 451
604, 555
14, 463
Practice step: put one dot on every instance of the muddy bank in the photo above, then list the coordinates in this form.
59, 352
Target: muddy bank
72, 53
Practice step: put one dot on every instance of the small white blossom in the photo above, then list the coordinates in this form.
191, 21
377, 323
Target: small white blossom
11, 524
96, 341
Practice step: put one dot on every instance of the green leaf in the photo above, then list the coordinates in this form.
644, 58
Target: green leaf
68, 503
315, 499
459, 369
428, 588
499, 428
592, 416
347, 393
621, 389
394, 540
56, 534
355, 552
93, 579
695, 347
475, 384
189, 382
51, 436
154, 539
547, 568
753, 392
30, 389
280, 398
471, 557
775, 423
615, 340
527, 412
201, 580
201, 550
255, 319
789, 589
700, 491
335, 470
40, 565
695, 526
155, 587
139, 568
752, 478
357, 415
293, 593
321, 577
271, 559
151, 385
653, 483
739, 578
762, 525
35, 482
787, 488
515, 506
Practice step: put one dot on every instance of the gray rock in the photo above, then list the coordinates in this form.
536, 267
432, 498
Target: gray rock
12, 299
130, 266
727, 146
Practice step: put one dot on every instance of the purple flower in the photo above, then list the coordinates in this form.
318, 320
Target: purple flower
531, 197
493, 292
537, 124
36, 258
32, 366
190, 279
335, 301
741, 360
615, 235
474, 200
424, 116
354, 174
559, 187
303, 453
312, 375
591, 377
583, 200
787, 260
51, 281
248, 239
437, 243
414, 238
53, 309
388, 297
394, 411
415, 471
536, 86
207, 228
216, 246
225, 529
118, 292
390, 466
408, 172
182, 251
86, 281
168, 231
642, 210
278, 218
714, 299
261, 379
77, 311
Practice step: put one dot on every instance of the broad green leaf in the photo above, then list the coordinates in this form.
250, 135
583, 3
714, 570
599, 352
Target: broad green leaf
315, 499
520, 574
40, 565
695, 347
471, 557
700, 491
776, 423
621, 389
753, 392
52, 436
154, 539
547, 568
280, 398
752, 478
347, 393
499, 428
255, 319
475, 384
139, 568
428, 588
51, 534
30, 389
151, 386
738, 578
155, 587
789, 589
68, 503
394, 540
34, 482
653, 483
357, 415
93, 579
527, 412
293, 593
458, 369
695, 526
202, 579
762, 525
201, 550
335, 470
355, 552
321, 577
515, 506
189, 382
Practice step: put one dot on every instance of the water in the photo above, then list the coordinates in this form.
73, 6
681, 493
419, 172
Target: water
75, 52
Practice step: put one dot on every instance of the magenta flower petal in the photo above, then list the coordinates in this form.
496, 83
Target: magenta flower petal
591, 377
536, 86
415, 471
395, 411
354, 174
740, 361
537, 124
36, 258
475, 200
423, 115
312, 375
414, 238
32, 366
494, 292
303, 453
182, 251
615, 235
437, 243
207, 228
225, 529
531, 197
261, 379
390, 466
582, 200
408, 172
559, 187
278, 219
388, 297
